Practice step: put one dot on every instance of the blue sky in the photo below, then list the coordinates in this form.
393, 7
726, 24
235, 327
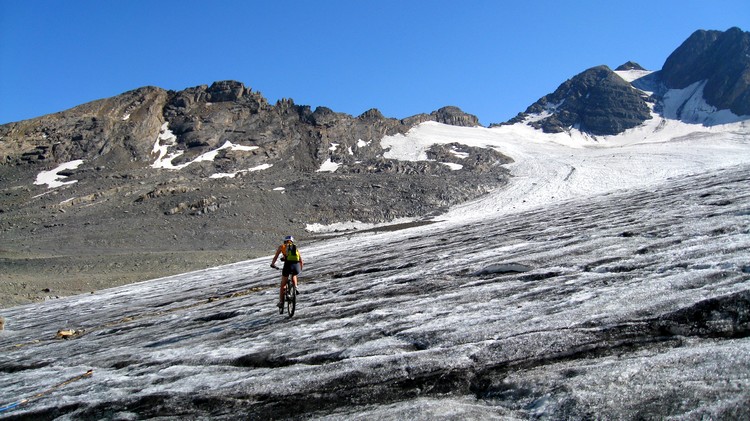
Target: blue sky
490, 58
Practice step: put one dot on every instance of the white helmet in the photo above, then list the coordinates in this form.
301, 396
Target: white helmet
289, 238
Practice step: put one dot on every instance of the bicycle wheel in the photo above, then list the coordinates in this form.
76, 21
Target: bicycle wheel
291, 299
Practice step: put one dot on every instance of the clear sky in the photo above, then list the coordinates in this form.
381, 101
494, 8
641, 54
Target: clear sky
491, 58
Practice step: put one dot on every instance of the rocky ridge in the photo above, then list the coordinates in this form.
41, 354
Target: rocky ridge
204, 176
596, 101
599, 102
722, 59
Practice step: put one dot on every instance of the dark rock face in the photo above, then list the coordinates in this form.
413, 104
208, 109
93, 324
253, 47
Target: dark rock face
121, 131
115, 130
630, 65
455, 117
722, 59
596, 101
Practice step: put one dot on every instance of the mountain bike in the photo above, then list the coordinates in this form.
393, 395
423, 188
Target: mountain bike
290, 296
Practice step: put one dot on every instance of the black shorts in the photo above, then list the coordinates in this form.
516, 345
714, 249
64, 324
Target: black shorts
291, 268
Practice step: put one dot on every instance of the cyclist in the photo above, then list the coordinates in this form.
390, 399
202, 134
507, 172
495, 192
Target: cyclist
292, 264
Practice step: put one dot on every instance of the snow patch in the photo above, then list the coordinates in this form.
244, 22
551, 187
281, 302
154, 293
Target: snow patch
353, 225
689, 106
452, 166
631, 75
52, 179
328, 166
460, 155
234, 174
167, 139
164, 141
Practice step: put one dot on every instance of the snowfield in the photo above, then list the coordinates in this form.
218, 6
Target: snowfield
610, 279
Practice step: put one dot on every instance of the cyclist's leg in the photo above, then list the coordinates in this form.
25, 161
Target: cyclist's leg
284, 279
294, 271
281, 289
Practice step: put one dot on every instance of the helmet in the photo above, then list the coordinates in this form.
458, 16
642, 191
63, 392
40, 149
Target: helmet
289, 238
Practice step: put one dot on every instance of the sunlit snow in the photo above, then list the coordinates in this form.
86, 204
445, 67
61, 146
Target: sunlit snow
453, 166
352, 225
631, 75
328, 166
689, 106
52, 179
234, 174
167, 139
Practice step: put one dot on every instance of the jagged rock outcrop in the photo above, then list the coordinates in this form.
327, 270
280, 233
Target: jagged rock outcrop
455, 117
722, 59
629, 65
118, 130
597, 101
122, 131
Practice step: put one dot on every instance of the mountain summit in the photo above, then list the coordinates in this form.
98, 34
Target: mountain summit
713, 65
718, 60
596, 101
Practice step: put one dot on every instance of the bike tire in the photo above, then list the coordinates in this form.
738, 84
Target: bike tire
291, 300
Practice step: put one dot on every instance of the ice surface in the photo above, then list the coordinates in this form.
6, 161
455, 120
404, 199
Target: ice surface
629, 299
420, 322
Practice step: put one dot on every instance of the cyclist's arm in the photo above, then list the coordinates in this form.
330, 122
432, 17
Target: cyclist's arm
276, 256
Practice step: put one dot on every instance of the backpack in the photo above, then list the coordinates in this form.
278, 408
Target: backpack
292, 254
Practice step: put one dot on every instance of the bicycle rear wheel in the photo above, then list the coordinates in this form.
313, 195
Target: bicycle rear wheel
291, 299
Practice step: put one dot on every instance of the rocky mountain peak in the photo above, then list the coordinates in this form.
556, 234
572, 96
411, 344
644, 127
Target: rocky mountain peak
122, 131
722, 60
119, 129
599, 102
372, 114
454, 116
596, 101
630, 65
227, 90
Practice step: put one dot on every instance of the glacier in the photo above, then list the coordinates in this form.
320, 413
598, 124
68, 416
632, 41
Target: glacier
610, 279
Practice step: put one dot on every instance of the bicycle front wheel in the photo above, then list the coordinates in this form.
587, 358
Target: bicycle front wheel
291, 300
